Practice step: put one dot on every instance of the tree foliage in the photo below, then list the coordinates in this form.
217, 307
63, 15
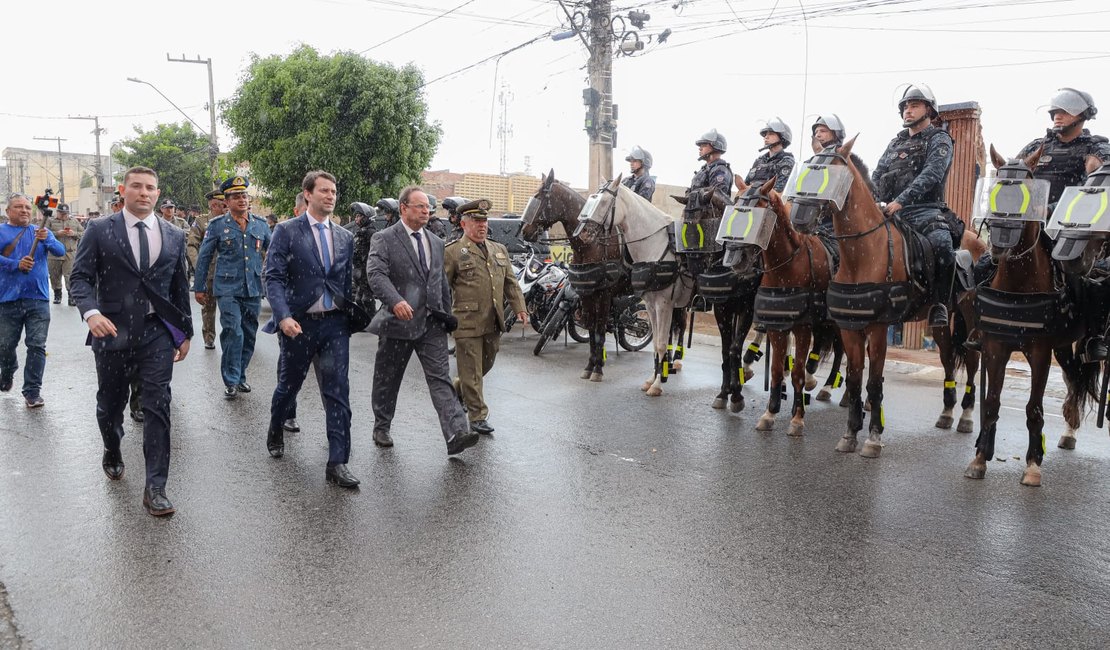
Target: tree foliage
180, 156
364, 122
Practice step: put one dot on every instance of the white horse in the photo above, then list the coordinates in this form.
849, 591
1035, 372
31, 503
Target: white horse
644, 229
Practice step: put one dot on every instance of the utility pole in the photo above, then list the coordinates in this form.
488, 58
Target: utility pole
213, 144
61, 181
600, 122
97, 131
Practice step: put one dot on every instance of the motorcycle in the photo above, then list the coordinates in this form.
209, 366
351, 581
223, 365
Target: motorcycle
627, 321
540, 281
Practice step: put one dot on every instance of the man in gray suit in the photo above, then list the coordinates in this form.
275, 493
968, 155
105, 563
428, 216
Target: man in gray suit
405, 272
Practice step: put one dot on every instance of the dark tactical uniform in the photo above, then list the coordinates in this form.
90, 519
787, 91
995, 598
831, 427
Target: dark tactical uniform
715, 174
1063, 164
192, 250
769, 166
441, 228
361, 285
912, 172
644, 184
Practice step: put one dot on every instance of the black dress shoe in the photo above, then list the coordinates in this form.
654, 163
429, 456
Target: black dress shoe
461, 441
230, 392
341, 476
209, 346
156, 502
113, 464
244, 387
137, 416
383, 439
275, 443
72, 302
481, 426
291, 425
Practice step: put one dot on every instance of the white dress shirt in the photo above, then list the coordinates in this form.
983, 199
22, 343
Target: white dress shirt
318, 306
423, 242
154, 244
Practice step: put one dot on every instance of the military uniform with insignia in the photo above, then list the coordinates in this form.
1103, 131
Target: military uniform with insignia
237, 241
715, 172
67, 230
196, 237
168, 211
482, 281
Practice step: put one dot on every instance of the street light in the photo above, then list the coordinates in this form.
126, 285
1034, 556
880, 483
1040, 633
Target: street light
140, 81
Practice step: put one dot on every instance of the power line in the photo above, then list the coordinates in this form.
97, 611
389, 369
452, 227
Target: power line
486, 60
409, 31
66, 117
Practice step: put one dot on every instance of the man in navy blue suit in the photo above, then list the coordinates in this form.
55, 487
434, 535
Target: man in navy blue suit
131, 284
308, 283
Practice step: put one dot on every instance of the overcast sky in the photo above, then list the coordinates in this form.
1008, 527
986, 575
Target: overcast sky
728, 64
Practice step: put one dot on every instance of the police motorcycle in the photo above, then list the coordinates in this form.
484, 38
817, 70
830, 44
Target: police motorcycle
540, 280
628, 320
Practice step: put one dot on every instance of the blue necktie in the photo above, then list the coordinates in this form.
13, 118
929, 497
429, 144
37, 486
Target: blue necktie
144, 248
326, 255
420, 251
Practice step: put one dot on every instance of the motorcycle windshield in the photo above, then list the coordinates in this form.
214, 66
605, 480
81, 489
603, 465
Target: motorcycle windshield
1081, 209
1017, 199
819, 182
746, 225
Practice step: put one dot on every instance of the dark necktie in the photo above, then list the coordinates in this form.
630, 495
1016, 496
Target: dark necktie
325, 254
144, 248
420, 251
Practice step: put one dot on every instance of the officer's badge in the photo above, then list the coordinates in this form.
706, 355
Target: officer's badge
902, 155
1046, 159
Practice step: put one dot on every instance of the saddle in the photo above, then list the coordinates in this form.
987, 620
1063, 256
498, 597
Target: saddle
920, 260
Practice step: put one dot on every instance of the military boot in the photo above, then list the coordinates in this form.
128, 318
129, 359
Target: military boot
57, 296
942, 288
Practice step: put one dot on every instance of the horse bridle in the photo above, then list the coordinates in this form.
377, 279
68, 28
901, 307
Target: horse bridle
746, 200
1024, 169
541, 218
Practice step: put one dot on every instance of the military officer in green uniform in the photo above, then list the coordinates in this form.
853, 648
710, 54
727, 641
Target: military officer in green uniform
169, 213
67, 230
216, 208
481, 278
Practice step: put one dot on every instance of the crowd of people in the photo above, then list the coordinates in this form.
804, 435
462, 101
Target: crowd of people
432, 277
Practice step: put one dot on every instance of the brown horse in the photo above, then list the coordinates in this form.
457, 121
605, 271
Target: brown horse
556, 202
1028, 307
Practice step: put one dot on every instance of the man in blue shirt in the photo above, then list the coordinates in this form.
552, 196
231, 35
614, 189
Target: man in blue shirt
24, 296
238, 241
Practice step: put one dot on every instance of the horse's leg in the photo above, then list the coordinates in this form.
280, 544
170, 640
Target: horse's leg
855, 345
678, 329
723, 317
1072, 411
599, 324
876, 350
967, 415
995, 357
742, 315
943, 338
1040, 360
586, 304
800, 378
778, 343
835, 379
663, 311
814, 357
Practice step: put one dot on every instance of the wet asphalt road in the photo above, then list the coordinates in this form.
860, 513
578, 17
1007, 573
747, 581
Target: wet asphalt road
594, 517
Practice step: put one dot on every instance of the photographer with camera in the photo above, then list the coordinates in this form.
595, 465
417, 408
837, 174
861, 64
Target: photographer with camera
24, 296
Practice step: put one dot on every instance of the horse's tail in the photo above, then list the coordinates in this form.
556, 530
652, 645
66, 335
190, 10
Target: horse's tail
1082, 379
959, 337
826, 336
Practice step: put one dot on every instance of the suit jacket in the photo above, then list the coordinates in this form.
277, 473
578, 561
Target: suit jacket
394, 273
107, 277
294, 276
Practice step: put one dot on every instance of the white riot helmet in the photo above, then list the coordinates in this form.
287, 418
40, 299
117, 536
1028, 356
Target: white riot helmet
775, 124
641, 154
922, 93
713, 139
1073, 102
832, 122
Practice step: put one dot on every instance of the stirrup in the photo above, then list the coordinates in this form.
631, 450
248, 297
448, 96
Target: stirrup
1095, 351
938, 316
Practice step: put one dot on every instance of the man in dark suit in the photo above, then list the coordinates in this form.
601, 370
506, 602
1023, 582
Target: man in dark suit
405, 271
308, 283
131, 284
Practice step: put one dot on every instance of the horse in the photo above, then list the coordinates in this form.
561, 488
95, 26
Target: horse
644, 229
797, 269
1027, 307
595, 267
728, 282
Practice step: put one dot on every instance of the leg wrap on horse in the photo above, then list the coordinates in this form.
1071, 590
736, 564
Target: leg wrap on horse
875, 399
969, 397
949, 394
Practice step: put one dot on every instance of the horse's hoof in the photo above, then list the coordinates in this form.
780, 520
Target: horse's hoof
811, 382
871, 449
944, 422
1032, 476
585, 374
966, 426
844, 400
597, 376
1066, 442
736, 406
867, 406
654, 391
719, 403
766, 422
976, 470
646, 385
748, 374
823, 395
847, 444
797, 429
676, 366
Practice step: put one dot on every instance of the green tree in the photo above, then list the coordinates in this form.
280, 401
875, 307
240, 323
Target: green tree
180, 156
364, 122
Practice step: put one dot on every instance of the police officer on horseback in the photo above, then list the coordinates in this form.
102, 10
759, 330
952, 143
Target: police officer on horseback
641, 180
910, 179
775, 162
715, 172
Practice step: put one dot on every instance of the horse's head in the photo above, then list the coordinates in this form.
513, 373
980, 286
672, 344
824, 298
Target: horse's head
1005, 233
599, 214
1080, 244
552, 203
806, 211
744, 259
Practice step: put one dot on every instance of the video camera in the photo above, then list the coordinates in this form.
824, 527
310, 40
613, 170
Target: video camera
47, 203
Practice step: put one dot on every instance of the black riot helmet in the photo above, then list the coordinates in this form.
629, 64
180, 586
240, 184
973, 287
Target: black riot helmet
922, 93
451, 204
431, 203
389, 209
1073, 102
362, 211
